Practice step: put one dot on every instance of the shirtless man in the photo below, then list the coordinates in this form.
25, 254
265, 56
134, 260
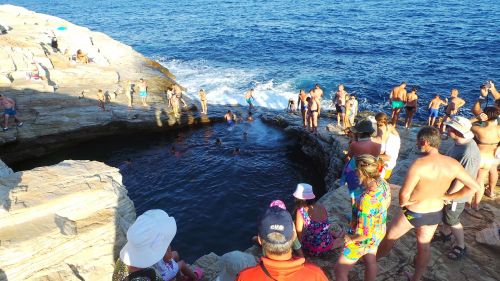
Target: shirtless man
143, 91
340, 99
452, 107
318, 92
313, 109
203, 100
487, 136
411, 106
434, 105
397, 98
9, 107
229, 117
249, 98
302, 104
423, 196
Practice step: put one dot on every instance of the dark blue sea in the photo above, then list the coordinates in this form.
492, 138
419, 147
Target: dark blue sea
279, 46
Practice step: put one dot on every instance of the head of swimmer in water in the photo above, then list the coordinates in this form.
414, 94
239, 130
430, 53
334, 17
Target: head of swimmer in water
218, 141
172, 149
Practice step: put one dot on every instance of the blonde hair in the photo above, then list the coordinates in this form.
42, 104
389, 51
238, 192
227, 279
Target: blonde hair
369, 166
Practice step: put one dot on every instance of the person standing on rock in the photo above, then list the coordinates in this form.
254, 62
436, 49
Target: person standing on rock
302, 104
313, 109
9, 107
101, 101
411, 107
128, 93
143, 91
397, 98
340, 105
434, 105
466, 151
368, 227
423, 195
276, 235
452, 108
203, 100
249, 98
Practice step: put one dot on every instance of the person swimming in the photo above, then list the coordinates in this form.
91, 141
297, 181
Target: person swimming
218, 141
229, 118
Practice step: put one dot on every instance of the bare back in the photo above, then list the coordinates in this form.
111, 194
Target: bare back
487, 138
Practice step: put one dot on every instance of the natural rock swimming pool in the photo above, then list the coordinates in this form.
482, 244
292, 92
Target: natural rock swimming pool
215, 196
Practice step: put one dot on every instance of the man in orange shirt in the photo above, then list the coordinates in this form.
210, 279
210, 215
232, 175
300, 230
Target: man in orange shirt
276, 234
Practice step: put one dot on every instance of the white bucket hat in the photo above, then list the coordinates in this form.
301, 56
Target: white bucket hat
148, 239
232, 263
461, 124
304, 191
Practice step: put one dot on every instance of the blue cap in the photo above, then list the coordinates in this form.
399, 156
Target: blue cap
278, 220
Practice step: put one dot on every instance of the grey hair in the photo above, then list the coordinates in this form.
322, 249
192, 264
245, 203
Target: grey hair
276, 244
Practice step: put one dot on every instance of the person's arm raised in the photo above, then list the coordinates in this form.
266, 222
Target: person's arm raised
409, 185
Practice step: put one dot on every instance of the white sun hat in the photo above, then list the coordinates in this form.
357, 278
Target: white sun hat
304, 191
461, 124
148, 239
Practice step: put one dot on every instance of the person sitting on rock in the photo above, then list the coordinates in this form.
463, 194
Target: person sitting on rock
296, 246
171, 267
101, 101
148, 238
311, 222
81, 57
9, 106
276, 235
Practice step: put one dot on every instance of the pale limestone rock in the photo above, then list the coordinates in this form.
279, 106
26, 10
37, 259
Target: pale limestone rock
64, 101
68, 220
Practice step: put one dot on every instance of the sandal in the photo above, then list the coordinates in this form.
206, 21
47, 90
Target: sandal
199, 273
440, 236
490, 193
457, 253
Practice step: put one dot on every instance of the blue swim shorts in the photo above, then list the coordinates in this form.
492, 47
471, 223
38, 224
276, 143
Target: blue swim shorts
9, 111
143, 94
434, 113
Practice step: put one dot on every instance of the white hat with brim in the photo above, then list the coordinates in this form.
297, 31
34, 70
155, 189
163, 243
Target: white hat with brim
234, 262
461, 124
148, 239
304, 191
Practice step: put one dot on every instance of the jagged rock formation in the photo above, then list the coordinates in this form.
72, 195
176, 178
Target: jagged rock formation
60, 107
63, 222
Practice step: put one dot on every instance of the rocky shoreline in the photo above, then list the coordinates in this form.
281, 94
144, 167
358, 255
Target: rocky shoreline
68, 221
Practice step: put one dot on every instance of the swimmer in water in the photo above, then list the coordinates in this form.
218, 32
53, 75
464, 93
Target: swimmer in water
218, 141
236, 151
229, 118
250, 116
172, 150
